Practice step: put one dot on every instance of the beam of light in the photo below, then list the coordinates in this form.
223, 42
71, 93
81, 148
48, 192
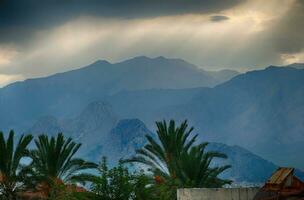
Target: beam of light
236, 43
7, 55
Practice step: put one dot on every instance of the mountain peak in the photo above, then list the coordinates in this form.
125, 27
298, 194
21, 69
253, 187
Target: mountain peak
101, 62
98, 107
296, 65
158, 58
272, 67
131, 122
293, 65
141, 58
95, 115
161, 60
130, 128
281, 68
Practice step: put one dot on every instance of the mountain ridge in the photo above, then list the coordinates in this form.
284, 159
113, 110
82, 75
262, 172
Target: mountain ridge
63, 94
126, 135
261, 110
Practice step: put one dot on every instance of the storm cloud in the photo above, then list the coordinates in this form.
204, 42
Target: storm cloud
20, 18
288, 34
38, 38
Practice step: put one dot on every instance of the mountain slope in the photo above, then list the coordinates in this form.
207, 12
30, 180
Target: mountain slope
63, 95
148, 105
260, 110
246, 166
126, 135
99, 130
297, 65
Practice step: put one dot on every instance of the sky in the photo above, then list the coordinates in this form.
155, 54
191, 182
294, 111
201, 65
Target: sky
39, 38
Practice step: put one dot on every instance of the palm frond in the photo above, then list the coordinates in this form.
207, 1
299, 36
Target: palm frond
54, 158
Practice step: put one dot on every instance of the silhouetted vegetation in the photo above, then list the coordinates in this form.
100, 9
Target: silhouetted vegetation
172, 160
177, 160
119, 183
12, 176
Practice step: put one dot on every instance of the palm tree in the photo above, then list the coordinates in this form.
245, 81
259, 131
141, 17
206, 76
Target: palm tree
54, 162
163, 157
176, 157
11, 169
195, 170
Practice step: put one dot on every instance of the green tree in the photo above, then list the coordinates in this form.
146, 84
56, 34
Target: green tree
143, 186
119, 183
54, 162
113, 184
177, 159
12, 178
163, 157
195, 170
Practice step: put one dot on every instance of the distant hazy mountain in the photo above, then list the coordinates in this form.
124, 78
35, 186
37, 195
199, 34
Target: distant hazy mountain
99, 130
262, 111
246, 166
120, 142
149, 105
118, 139
64, 94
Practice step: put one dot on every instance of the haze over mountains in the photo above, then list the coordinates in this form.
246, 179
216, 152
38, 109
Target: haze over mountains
65, 94
262, 111
110, 107
103, 133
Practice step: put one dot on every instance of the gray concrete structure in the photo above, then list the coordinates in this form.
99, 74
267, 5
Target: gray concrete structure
217, 193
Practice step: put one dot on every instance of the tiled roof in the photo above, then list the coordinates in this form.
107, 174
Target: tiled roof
280, 175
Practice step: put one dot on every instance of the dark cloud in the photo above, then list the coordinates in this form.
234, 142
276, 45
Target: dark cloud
38, 38
218, 18
287, 35
18, 18
19, 11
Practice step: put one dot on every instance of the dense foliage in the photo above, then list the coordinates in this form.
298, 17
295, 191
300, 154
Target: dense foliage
53, 159
173, 160
119, 183
12, 178
54, 163
176, 157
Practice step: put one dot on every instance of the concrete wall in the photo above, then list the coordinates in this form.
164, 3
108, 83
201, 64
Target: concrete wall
217, 194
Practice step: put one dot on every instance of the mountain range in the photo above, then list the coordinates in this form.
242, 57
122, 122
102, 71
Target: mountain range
65, 94
257, 118
262, 111
102, 133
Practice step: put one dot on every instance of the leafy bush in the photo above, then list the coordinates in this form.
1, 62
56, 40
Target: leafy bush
119, 183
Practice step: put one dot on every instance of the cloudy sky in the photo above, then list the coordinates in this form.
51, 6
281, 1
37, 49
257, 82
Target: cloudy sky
38, 38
